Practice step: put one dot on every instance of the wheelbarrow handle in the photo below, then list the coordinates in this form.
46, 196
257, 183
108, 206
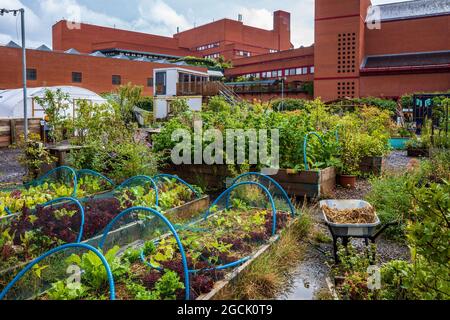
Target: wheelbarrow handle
382, 229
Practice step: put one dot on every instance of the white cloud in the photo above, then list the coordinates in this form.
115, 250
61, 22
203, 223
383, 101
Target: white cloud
157, 17
260, 18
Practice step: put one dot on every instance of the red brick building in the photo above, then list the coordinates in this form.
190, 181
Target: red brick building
409, 52
228, 38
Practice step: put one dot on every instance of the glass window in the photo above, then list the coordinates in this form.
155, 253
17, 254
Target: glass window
298, 71
274, 74
31, 74
160, 83
116, 80
312, 70
77, 77
305, 70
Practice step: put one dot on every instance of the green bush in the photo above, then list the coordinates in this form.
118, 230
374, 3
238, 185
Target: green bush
428, 234
145, 103
289, 104
351, 105
392, 202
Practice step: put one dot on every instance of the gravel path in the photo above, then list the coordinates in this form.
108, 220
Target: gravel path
397, 161
11, 172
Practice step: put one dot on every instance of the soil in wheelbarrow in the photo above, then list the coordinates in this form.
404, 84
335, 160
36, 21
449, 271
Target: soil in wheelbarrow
350, 216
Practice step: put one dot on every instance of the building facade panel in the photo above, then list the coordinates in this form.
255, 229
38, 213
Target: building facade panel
55, 68
410, 35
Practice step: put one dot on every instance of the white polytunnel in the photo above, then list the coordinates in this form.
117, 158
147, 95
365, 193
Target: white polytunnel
11, 101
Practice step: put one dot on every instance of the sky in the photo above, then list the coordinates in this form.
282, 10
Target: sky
160, 17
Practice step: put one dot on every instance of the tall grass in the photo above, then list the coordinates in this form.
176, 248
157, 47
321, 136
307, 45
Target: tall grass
266, 276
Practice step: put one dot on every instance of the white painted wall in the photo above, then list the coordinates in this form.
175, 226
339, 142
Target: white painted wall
161, 105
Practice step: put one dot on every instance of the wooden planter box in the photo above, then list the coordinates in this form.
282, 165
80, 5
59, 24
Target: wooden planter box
372, 165
126, 235
417, 153
312, 184
211, 177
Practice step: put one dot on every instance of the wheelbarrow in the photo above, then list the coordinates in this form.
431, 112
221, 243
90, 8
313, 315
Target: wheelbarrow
367, 231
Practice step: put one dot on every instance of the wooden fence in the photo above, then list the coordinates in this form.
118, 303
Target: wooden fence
12, 129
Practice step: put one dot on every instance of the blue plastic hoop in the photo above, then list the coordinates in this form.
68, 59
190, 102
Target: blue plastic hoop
280, 188
112, 293
123, 185
228, 191
75, 181
95, 173
172, 229
169, 176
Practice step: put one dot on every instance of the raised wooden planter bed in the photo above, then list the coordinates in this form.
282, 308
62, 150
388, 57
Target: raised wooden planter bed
312, 184
372, 165
212, 177
129, 233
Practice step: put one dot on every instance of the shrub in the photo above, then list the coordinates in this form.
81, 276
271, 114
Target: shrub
428, 232
391, 201
145, 103
289, 104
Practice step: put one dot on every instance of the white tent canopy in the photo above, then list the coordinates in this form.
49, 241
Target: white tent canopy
11, 101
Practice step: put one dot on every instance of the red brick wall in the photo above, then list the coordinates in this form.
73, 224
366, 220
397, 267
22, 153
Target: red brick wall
339, 37
413, 35
302, 57
398, 85
55, 68
232, 31
88, 37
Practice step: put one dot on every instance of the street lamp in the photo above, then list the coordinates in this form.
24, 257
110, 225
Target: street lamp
24, 66
282, 80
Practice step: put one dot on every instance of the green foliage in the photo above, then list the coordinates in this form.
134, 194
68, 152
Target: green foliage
139, 292
126, 98
145, 103
168, 285
389, 197
218, 104
55, 105
63, 291
94, 272
289, 104
178, 106
34, 156
428, 234
217, 64
107, 134
351, 105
